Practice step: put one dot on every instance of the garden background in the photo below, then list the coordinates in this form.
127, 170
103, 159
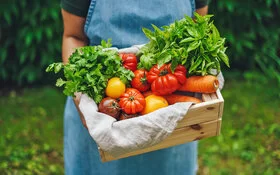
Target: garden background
31, 107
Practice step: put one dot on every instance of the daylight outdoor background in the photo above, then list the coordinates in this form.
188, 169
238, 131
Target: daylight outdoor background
31, 107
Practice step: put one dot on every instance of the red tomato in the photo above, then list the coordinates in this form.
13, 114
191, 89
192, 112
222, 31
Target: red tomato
129, 61
180, 72
163, 81
125, 116
110, 107
132, 101
140, 81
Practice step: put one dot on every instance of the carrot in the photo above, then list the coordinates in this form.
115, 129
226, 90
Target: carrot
201, 84
174, 98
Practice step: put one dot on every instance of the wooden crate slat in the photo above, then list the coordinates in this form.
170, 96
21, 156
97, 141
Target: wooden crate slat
206, 97
195, 115
213, 96
179, 136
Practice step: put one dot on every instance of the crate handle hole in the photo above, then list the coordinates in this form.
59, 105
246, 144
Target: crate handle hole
196, 127
210, 108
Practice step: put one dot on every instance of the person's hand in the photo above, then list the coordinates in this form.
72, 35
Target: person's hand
77, 99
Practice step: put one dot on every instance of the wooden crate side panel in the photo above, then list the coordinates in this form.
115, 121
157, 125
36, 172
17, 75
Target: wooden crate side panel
179, 136
207, 112
210, 109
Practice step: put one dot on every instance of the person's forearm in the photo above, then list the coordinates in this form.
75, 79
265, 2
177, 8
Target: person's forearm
69, 43
73, 34
202, 11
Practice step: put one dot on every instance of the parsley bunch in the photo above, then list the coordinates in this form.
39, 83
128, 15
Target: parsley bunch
196, 44
89, 69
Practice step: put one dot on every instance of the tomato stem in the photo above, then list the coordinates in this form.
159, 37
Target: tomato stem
163, 72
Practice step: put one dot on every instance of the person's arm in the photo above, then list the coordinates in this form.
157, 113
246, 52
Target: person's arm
201, 7
73, 34
202, 11
73, 37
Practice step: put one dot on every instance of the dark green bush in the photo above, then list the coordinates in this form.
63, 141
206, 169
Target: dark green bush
252, 30
30, 36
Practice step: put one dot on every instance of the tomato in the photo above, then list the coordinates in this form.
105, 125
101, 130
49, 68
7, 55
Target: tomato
132, 101
140, 81
125, 116
180, 73
154, 102
163, 81
115, 87
110, 107
129, 61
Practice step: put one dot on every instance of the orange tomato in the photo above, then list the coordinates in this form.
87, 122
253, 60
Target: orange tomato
115, 88
154, 102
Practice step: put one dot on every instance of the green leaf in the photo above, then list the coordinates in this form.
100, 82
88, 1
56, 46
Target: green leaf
196, 64
164, 58
8, 18
215, 33
193, 45
148, 34
147, 61
224, 57
186, 40
60, 82
58, 67
193, 32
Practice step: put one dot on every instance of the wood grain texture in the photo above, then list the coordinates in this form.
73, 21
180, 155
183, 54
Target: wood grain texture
179, 136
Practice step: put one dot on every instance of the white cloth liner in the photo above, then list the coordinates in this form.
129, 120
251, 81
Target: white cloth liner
119, 137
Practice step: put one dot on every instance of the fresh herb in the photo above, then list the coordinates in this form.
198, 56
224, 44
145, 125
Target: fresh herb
89, 69
196, 44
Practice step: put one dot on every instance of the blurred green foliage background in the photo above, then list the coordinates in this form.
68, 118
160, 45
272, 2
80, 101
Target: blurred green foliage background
31, 118
31, 31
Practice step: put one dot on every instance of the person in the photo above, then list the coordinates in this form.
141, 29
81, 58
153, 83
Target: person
87, 23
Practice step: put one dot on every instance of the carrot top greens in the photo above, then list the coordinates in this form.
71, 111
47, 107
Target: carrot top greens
196, 44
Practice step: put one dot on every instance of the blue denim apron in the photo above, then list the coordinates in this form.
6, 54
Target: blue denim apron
122, 21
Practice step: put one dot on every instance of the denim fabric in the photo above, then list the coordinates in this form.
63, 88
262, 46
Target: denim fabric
122, 21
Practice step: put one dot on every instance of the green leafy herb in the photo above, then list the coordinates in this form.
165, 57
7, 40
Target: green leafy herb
89, 69
195, 44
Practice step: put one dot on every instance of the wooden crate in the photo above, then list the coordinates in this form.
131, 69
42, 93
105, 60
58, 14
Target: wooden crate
201, 121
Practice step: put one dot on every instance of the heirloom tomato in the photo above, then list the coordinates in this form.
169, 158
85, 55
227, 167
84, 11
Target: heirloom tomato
132, 101
110, 107
163, 81
125, 116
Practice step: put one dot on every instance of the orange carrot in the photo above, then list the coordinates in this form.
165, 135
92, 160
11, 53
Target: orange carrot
201, 84
174, 98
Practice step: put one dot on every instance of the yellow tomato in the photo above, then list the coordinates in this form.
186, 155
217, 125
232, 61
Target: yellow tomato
115, 88
154, 102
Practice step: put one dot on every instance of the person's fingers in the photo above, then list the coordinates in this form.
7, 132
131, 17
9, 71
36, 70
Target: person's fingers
77, 99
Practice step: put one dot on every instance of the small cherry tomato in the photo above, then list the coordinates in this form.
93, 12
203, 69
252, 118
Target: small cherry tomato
140, 81
129, 61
